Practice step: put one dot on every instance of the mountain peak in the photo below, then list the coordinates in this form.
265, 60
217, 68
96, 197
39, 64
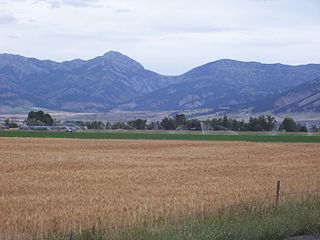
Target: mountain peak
113, 53
120, 59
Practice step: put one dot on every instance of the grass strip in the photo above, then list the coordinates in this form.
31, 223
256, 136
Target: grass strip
165, 136
290, 219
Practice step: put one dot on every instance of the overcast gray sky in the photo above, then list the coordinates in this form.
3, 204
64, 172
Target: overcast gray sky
167, 36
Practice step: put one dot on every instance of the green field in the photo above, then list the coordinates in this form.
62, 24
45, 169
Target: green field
251, 137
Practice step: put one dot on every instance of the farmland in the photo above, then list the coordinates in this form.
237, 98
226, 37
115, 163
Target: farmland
61, 184
166, 135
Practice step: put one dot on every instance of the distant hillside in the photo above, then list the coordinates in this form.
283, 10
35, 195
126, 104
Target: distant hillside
303, 98
115, 81
94, 85
225, 83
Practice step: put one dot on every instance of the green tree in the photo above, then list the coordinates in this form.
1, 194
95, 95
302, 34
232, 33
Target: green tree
225, 122
138, 124
270, 123
288, 125
180, 119
39, 118
119, 125
95, 125
168, 123
261, 123
193, 124
10, 124
254, 124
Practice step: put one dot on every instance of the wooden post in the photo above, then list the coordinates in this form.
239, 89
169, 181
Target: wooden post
278, 193
71, 236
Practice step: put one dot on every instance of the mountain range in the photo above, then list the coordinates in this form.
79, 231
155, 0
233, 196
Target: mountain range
115, 81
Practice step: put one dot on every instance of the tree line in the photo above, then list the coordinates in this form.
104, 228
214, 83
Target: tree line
261, 123
177, 122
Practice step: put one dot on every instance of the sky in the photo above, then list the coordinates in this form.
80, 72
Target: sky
167, 36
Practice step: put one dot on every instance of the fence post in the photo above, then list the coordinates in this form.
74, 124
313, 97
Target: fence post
71, 236
278, 193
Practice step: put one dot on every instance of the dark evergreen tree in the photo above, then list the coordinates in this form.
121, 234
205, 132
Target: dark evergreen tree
138, 124
168, 123
180, 119
289, 125
39, 118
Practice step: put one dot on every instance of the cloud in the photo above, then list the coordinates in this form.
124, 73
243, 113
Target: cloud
73, 3
266, 0
123, 10
195, 28
180, 33
13, 37
7, 19
55, 5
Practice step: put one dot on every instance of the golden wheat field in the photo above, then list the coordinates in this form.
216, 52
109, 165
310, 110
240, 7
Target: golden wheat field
60, 184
